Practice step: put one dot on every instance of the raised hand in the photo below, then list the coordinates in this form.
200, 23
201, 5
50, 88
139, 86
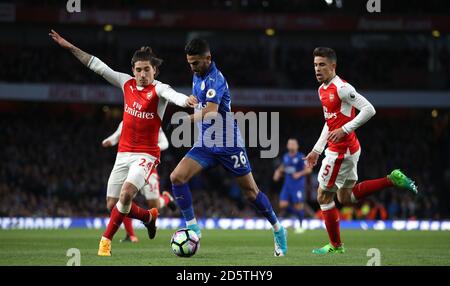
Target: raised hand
60, 40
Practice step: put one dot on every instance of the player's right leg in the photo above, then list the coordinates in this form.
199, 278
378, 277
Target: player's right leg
139, 170
127, 222
192, 164
331, 217
283, 207
115, 182
331, 177
284, 202
300, 213
262, 204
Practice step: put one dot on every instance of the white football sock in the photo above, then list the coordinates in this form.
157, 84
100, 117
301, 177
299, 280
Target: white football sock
276, 226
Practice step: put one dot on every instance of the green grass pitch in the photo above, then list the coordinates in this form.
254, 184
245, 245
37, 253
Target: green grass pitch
224, 248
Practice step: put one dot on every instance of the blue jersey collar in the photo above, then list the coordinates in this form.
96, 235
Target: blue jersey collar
211, 68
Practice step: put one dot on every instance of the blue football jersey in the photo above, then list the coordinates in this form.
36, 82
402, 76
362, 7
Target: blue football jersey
213, 87
291, 166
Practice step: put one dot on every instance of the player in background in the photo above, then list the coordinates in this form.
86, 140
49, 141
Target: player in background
145, 100
213, 95
338, 173
150, 191
294, 171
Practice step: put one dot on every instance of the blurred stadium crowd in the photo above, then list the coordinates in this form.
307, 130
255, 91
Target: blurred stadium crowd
245, 64
54, 165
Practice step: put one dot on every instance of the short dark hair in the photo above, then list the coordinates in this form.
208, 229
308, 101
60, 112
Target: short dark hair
197, 47
146, 54
326, 53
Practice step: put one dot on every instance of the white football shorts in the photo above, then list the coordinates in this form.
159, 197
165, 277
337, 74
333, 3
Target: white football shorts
338, 170
134, 168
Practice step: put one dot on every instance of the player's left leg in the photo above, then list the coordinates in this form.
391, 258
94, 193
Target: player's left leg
260, 201
352, 192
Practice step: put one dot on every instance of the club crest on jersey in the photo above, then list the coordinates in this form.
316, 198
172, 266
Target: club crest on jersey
331, 96
210, 93
149, 95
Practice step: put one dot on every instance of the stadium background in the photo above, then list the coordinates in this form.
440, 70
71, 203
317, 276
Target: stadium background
54, 112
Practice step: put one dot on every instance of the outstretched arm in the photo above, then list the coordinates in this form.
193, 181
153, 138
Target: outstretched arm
180, 99
95, 64
81, 55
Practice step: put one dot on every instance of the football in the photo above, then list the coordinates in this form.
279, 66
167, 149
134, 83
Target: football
185, 242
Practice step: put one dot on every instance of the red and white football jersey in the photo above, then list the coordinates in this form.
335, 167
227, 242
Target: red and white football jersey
339, 99
143, 109
141, 119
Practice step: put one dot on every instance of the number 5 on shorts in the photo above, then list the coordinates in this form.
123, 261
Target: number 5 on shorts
326, 171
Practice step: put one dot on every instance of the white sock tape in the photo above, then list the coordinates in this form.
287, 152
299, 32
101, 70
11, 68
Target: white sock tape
124, 209
327, 207
354, 200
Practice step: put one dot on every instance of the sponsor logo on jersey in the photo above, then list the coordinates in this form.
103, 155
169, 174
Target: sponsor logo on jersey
331, 97
139, 114
329, 115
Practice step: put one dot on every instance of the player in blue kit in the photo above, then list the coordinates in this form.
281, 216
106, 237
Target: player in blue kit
293, 192
217, 146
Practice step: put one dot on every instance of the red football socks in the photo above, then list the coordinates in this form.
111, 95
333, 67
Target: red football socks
369, 187
128, 224
331, 218
139, 213
115, 221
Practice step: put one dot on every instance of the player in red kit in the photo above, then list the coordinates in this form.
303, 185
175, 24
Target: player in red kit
338, 173
150, 191
145, 100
